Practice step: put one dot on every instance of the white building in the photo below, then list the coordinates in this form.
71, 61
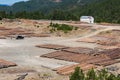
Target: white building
87, 19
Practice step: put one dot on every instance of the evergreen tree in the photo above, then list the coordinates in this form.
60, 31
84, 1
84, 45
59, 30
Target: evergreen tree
76, 75
91, 75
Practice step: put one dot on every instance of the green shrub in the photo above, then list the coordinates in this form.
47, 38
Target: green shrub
77, 75
63, 27
92, 75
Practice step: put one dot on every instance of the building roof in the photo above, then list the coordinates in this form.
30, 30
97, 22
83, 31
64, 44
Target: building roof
86, 17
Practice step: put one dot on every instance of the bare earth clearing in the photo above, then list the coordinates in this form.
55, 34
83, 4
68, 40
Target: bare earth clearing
27, 56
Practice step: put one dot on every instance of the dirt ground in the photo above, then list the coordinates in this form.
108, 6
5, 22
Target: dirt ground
27, 56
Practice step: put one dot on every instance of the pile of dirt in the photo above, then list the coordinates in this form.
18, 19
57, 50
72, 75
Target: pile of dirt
108, 42
82, 55
86, 61
112, 53
52, 46
109, 24
81, 58
101, 40
80, 26
80, 50
106, 62
108, 47
67, 56
10, 32
40, 35
67, 70
102, 58
88, 40
109, 34
6, 64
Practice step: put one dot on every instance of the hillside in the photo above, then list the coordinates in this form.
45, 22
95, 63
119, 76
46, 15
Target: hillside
44, 5
102, 10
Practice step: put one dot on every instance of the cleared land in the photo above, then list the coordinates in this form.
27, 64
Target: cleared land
61, 52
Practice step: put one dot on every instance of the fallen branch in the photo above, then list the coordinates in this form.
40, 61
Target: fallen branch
21, 77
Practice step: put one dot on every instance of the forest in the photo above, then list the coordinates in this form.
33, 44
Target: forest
102, 11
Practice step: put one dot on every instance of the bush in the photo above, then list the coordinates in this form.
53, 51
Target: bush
92, 75
63, 27
77, 75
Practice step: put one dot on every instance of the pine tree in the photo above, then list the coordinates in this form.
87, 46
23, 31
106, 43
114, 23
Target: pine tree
91, 75
77, 75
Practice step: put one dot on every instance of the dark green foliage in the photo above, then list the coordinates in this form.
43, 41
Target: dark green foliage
0, 18
118, 77
101, 10
3, 14
92, 75
62, 15
77, 75
55, 15
103, 75
112, 77
29, 15
41, 5
63, 27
